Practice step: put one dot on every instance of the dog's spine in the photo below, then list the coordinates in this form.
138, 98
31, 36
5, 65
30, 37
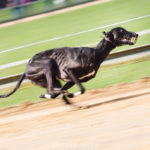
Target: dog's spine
17, 86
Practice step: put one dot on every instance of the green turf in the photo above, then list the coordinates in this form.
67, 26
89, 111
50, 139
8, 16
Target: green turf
104, 78
37, 7
73, 22
12, 71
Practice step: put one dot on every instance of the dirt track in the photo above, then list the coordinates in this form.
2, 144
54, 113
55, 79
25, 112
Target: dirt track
118, 119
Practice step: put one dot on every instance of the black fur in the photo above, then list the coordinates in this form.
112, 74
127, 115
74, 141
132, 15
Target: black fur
72, 65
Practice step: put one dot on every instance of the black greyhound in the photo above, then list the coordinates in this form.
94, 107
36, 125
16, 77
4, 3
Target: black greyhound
72, 65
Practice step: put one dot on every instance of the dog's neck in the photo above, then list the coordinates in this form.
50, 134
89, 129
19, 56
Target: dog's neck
102, 50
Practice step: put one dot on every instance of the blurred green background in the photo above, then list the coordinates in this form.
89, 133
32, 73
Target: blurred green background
36, 7
74, 28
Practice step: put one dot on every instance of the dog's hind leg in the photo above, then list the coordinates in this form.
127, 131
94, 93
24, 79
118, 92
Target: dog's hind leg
53, 85
68, 94
67, 86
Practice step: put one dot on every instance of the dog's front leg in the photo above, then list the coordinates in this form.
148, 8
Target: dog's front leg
76, 81
67, 86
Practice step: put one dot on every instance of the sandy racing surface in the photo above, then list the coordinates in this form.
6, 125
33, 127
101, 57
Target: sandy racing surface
118, 119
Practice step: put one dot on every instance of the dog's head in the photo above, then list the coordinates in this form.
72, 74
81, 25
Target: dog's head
119, 36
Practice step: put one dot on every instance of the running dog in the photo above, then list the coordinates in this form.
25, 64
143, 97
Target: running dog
73, 65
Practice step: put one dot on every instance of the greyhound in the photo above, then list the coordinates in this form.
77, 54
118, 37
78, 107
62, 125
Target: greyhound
73, 65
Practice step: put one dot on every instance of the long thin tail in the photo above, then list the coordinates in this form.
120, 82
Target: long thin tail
17, 86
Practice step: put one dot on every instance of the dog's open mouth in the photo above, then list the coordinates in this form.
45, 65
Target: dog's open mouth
129, 40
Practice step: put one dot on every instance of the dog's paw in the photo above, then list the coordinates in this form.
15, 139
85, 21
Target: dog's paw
45, 96
70, 95
77, 93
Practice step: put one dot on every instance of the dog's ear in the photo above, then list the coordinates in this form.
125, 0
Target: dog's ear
109, 35
105, 33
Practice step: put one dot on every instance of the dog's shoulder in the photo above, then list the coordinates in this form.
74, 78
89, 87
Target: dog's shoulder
87, 50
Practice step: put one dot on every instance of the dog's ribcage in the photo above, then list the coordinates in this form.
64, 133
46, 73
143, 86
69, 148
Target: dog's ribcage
81, 60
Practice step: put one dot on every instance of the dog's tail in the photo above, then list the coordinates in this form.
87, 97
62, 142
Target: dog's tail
17, 86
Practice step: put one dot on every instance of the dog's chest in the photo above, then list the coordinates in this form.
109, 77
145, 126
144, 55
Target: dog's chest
84, 73
88, 75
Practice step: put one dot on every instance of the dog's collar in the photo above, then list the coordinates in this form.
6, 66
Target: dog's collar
107, 39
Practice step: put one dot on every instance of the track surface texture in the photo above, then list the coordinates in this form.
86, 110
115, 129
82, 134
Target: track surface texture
118, 119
